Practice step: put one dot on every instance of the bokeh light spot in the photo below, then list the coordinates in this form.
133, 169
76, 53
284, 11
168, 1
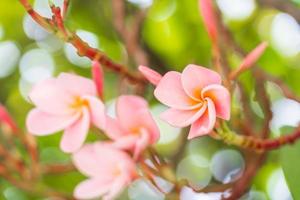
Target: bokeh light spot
227, 165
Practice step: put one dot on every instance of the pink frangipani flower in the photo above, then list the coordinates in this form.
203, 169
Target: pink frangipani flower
195, 97
109, 170
67, 103
134, 128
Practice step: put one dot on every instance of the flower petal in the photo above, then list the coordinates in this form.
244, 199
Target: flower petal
116, 188
126, 142
97, 111
151, 75
221, 99
141, 144
133, 114
170, 92
75, 134
87, 161
77, 85
114, 159
204, 124
92, 188
113, 129
194, 78
50, 98
41, 123
182, 118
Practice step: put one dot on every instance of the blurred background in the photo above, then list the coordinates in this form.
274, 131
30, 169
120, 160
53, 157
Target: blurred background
172, 35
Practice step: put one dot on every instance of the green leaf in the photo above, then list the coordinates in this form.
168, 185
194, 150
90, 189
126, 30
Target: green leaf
290, 162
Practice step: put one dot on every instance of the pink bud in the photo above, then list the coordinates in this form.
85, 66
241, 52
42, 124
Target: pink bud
250, 59
97, 74
209, 17
151, 75
6, 119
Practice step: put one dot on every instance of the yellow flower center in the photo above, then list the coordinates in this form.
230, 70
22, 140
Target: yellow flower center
78, 103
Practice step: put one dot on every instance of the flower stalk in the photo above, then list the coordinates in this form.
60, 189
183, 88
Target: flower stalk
254, 143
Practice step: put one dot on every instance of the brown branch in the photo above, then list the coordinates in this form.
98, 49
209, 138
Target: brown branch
57, 168
55, 26
130, 32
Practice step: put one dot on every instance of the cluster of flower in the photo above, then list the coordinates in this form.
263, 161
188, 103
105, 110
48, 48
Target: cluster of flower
70, 103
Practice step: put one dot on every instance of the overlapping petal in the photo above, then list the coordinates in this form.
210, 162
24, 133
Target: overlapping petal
75, 134
76, 85
97, 111
221, 99
194, 78
205, 123
87, 162
41, 123
170, 92
133, 113
182, 118
92, 188
50, 98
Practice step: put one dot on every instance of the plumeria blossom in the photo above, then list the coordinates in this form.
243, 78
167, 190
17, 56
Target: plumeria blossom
109, 170
67, 103
195, 97
133, 128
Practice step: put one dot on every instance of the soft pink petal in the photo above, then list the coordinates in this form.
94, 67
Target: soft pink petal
133, 114
182, 118
151, 75
170, 92
116, 188
221, 99
114, 158
141, 144
126, 142
87, 161
76, 85
194, 78
113, 129
92, 188
41, 123
50, 98
204, 124
75, 134
127, 107
97, 111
